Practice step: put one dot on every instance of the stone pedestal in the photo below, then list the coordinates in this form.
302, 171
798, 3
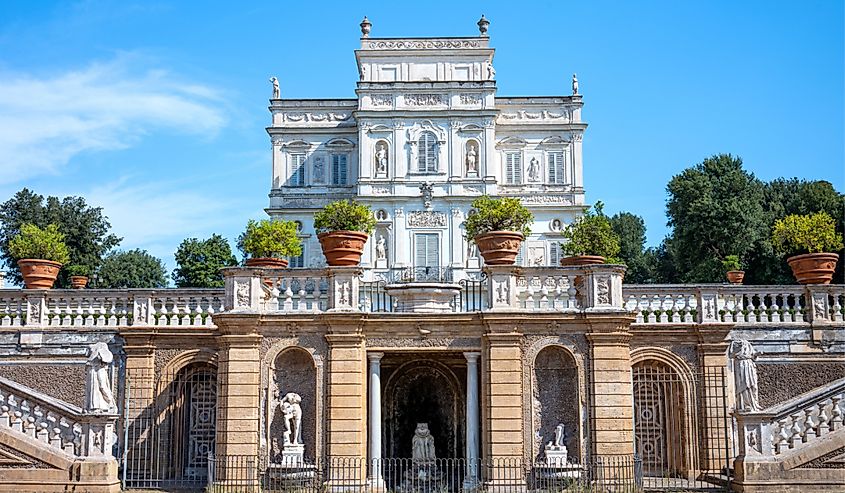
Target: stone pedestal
423, 297
556, 456
293, 455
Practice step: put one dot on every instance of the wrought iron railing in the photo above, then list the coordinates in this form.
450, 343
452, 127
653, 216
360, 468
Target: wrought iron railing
403, 275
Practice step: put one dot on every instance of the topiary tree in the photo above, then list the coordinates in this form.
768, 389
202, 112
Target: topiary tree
810, 233
592, 234
199, 262
345, 215
270, 238
35, 243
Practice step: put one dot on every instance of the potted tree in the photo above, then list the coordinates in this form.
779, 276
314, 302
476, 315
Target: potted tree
265, 243
498, 227
343, 228
733, 269
808, 239
78, 275
590, 239
40, 254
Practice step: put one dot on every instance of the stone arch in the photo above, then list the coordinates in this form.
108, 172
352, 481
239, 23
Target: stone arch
665, 417
556, 399
293, 369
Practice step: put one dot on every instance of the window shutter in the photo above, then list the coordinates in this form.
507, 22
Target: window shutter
297, 172
554, 253
557, 171
427, 147
427, 250
513, 168
339, 169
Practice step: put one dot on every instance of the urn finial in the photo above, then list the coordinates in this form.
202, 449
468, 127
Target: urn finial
483, 23
366, 25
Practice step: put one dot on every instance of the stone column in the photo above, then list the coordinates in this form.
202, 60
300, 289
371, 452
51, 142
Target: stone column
472, 418
375, 419
611, 396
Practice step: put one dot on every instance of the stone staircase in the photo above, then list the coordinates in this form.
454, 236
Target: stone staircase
48, 445
797, 445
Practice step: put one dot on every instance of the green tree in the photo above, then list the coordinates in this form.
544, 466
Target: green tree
715, 209
86, 229
199, 262
131, 269
631, 231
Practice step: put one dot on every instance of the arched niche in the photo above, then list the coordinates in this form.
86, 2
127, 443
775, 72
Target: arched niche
381, 159
556, 395
472, 157
293, 370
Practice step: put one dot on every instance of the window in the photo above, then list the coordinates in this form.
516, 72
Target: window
554, 253
339, 169
297, 170
513, 167
427, 147
298, 261
557, 169
427, 250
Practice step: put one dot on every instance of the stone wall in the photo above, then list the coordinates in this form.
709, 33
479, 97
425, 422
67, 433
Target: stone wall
782, 381
65, 382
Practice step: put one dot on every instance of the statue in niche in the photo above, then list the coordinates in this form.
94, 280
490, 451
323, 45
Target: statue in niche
534, 170
275, 82
99, 396
422, 445
292, 418
742, 356
471, 161
556, 452
381, 248
318, 169
381, 159
574, 85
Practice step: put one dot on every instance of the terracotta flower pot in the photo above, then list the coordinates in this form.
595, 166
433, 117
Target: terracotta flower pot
813, 268
582, 260
343, 248
268, 262
39, 274
499, 247
78, 282
735, 276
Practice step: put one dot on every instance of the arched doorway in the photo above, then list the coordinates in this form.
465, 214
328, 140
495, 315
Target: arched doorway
424, 391
194, 410
661, 430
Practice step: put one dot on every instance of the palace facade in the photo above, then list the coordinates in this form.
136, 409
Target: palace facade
424, 370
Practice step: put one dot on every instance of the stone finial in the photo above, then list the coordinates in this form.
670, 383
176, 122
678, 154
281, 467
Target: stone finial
574, 85
366, 26
483, 24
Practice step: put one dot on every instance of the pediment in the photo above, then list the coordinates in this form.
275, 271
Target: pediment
512, 142
296, 144
340, 143
472, 128
555, 140
377, 129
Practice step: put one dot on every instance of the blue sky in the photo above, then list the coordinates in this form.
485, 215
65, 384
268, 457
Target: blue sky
156, 110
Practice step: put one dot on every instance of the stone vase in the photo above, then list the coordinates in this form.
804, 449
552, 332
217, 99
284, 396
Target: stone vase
499, 247
735, 276
78, 282
813, 268
582, 260
38, 273
343, 248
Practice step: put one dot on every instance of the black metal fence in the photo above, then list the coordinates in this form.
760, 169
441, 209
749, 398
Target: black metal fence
471, 298
612, 474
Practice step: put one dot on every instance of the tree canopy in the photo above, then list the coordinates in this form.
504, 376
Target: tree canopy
199, 262
131, 269
641, 262
85, 228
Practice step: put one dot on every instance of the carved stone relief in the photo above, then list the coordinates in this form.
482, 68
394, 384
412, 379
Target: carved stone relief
423, 99
426, 219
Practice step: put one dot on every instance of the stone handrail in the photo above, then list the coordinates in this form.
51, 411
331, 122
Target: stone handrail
669, 304
109, 307
57, 424
793, 424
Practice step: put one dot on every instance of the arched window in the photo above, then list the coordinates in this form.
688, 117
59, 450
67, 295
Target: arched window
427, 159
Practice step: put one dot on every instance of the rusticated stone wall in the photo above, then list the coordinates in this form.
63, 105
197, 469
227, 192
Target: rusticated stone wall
64, 382
778, 382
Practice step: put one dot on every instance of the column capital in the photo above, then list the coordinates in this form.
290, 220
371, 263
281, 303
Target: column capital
472, 356
375, 356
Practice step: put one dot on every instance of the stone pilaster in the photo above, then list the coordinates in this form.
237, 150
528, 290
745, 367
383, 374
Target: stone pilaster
347, 398
611, 392
717, 395
502, 396
238, 376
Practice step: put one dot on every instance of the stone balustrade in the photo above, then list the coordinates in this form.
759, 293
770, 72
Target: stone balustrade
672, 304
109, 308
56, 424
793, 424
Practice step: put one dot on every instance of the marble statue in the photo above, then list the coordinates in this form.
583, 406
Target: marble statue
491, 72
574, 85
275, 82
559, 433
99, 397
381, 248
381, 160
292, 417
472, 157
422, 445
742, 356
556, 452
534, 170
318, 169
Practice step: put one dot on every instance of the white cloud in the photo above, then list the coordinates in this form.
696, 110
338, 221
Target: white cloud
46, 121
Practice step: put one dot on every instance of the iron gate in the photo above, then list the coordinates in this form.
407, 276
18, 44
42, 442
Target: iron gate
682, 428
170, 425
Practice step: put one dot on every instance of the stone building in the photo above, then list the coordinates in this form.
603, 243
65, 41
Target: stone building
423, 369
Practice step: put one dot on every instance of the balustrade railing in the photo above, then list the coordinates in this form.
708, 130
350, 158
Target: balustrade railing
58, 425
794, 424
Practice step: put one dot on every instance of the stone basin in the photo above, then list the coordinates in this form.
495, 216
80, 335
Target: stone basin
423, 297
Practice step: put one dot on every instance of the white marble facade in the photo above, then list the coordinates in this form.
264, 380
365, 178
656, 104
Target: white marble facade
427, 112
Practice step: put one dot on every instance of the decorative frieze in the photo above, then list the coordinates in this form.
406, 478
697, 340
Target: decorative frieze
422, 44
426, 219
381, 99
424, 99
471, 99
315, 117
564, 116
